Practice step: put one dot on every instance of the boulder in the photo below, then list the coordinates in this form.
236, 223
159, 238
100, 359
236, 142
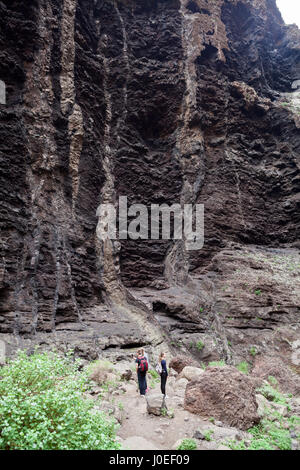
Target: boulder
156, 404
179, 363
180, 386
219, 434
191, 373
225, 394
171, 382
127, 375
172, 373
263, 405
281, 409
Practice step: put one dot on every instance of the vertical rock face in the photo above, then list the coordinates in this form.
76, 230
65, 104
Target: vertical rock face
184, 101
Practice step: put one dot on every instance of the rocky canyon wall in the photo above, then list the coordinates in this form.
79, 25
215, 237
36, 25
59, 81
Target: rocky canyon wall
162, 101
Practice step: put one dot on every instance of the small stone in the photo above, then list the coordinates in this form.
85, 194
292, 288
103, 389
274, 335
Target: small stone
127, 375
96, 390
198, 435
166, 423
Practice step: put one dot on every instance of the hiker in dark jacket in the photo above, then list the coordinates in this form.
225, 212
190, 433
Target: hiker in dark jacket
140, 373
164, 373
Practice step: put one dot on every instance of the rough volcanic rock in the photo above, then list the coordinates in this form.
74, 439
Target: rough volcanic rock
179, 363
191, 373
163, 102
225, 394
156, 404
273, 366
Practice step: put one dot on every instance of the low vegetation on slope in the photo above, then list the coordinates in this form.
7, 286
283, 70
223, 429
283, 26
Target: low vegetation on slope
42, 406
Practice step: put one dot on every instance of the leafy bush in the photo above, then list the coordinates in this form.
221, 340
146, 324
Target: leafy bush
207, 434
272, 394
243, 367
154, 378
272, 380
217, 364
187, 444
153, 374
253, 351
42, 406
266, 436
199, 345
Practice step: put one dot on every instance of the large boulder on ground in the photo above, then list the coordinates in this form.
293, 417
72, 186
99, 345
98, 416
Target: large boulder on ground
219, 434
266, 366
180, 386
156, 404
178, 363
191, 373
225, 394
265, 407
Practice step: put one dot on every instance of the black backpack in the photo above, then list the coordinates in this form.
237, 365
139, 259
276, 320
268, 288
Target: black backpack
143, 364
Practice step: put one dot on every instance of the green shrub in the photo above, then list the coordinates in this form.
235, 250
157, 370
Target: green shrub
272, 380
153, 373
266, 436
42, 406
217, 364
199, 345
243, 367
187, 444
207, 434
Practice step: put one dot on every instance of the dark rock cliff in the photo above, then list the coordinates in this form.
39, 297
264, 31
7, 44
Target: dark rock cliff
162, 101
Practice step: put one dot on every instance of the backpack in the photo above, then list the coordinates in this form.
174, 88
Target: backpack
158, 369
143, 364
